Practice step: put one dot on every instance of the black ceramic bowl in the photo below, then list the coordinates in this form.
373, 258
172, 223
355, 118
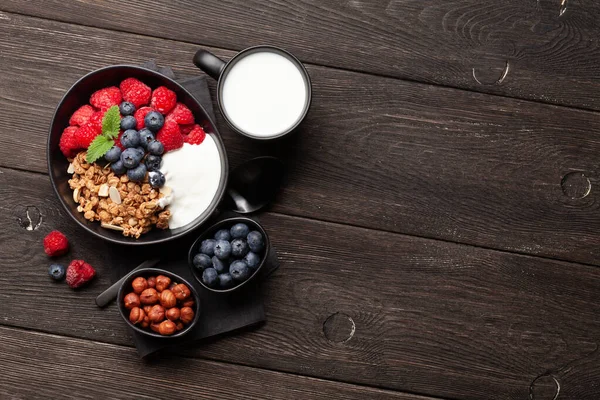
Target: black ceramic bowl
147, 272
79, 95
209, 233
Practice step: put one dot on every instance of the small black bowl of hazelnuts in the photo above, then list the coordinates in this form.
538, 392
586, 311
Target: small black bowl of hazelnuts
158, 303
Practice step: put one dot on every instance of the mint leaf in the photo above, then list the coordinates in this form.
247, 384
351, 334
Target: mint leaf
99, 147
111, 122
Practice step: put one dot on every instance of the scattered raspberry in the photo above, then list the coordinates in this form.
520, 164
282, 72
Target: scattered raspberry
135, 92
181, 114
68, 143
96, 121
196, 136
85, 135
56, 244
79, 273
139, 116
106, 98
163, 99
82, 115
170, 136
185, 129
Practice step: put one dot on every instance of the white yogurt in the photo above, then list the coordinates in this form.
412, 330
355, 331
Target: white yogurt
264, 94
193, 173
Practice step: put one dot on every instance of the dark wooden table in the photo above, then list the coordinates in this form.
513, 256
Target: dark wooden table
439, 233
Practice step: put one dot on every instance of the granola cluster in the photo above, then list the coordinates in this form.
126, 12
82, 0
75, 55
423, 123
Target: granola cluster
130, 207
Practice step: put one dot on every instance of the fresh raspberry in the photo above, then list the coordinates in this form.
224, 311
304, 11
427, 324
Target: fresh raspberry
85, 135
163, 100
135, 92
181, 114
82, 115
170, 136
96, 121
105, 98
185, 129
68, 143
196, 136
79, 273
139, 116
56, 244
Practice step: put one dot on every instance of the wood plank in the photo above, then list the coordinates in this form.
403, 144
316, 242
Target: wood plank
348, 304
39, 365
536, 49
374, 152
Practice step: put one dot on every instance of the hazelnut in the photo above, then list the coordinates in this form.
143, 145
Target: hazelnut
147, 309
145, 322
188, 303
139, 284
186, 315
162, 282
167, 328
136, 315
179, 325
149, 296
154, 327
173, 314
151, 282
167, 299
131, 300
157, 314
181, 292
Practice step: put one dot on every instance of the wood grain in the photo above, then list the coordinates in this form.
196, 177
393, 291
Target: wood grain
534, 49
429, 317
373, 152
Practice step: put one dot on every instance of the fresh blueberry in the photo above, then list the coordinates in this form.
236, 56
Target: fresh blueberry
118, 167
113, 155
208, 247
222, 249
210, 277
239, 248
141, 152
130, 158
130, 138
153, 162
255, 241
252, 259
128, 122
225, 281
239, 270
223, 234
155, 147
126, 108
154, 121
220, 265
202, 261
239, 231
137, 174
156, 179
146, 136
56, 272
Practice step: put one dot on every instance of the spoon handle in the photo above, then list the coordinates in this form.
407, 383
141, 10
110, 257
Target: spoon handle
106, 297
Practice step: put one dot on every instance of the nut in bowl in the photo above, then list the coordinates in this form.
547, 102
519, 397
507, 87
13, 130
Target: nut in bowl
229, 254
158, 303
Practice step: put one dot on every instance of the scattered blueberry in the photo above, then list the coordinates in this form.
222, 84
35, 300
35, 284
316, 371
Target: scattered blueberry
130, 158
130, 138
146, 137
156, 179
126, 108
255, 241
118, 167
239, 248
239, 231
222, 249
252, 259
154, 121
210, 277
56, 272
141, 152
128, 122
222, 234
225, 281
208, 247
137, 174
202, 261
113, 155
153, 162
219, 265
155, 147
239, 270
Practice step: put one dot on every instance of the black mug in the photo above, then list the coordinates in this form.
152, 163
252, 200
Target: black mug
292, 104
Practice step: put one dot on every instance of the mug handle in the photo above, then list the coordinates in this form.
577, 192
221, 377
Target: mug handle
209, 63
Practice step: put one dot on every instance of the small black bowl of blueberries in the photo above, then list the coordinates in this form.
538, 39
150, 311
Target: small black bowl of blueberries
229, 254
